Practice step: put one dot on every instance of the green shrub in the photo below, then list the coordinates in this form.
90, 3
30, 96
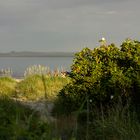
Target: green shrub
104, 74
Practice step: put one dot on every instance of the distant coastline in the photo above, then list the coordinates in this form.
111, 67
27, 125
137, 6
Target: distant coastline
37, 54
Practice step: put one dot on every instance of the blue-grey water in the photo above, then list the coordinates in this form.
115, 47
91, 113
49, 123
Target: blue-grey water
19, 64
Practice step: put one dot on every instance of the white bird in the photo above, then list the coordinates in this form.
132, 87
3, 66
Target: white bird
103, 41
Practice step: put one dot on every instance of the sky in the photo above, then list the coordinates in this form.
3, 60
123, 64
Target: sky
66, 25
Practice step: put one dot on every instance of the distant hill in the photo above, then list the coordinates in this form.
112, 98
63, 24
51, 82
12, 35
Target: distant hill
37, 54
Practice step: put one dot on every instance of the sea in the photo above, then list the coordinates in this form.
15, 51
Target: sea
18, 65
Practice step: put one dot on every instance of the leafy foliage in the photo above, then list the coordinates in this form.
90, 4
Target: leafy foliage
104, 74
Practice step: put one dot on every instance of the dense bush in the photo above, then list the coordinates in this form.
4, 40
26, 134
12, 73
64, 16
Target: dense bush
103, 75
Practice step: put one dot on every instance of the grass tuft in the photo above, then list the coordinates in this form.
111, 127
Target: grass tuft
37, 87
7, 86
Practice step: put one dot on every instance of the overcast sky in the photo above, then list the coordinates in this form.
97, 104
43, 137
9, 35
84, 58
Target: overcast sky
66, 25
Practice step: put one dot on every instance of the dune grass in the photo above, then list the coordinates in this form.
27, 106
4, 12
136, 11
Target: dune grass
7, 86
118, 122
19, 122
38, 87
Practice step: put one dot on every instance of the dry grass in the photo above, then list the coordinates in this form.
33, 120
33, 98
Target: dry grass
35, 87
7, 86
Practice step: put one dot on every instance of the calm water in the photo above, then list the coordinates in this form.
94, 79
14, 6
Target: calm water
19, 64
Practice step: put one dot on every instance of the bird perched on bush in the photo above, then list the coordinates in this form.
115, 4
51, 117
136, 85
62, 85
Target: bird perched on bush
103, 41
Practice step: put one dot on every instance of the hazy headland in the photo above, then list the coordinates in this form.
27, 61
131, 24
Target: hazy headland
37, 54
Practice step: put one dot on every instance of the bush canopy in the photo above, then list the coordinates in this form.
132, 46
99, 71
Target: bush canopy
104, 75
